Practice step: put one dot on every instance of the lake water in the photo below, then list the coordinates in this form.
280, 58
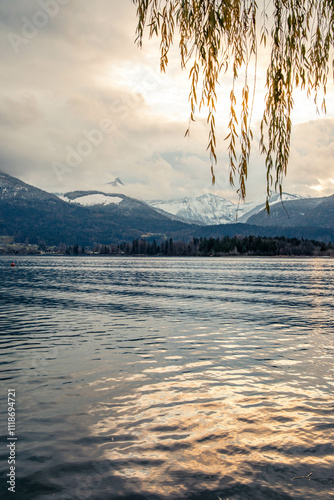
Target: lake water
168, 378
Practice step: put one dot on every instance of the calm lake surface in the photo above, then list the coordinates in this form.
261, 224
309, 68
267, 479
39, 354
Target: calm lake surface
168, 378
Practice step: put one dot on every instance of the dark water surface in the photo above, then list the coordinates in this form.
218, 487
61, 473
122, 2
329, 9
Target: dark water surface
154, 378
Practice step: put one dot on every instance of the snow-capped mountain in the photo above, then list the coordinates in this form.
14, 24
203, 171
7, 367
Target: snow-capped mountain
247, 210
207, 209
89, 217
210, 209
85, 217
297, 213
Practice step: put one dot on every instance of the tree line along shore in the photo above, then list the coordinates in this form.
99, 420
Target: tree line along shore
196, 247
203, 247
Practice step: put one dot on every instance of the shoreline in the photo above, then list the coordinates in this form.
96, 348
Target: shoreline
141, 256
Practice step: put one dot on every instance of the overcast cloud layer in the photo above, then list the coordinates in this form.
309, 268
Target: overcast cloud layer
81, 105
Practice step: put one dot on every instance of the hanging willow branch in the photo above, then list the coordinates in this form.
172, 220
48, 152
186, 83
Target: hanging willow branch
220, 36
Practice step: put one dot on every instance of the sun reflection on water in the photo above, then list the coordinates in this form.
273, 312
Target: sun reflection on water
152, 392
207, 428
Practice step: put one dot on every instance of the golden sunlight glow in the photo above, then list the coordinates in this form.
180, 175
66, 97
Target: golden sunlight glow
318, 188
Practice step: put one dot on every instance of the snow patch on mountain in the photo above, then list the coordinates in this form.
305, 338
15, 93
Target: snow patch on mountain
94, 199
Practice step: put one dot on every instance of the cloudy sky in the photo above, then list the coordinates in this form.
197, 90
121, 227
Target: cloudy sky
81, 105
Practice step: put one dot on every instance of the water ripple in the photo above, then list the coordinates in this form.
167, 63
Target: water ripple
170, 379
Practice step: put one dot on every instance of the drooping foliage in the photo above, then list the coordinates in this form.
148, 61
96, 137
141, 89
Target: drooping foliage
216, 37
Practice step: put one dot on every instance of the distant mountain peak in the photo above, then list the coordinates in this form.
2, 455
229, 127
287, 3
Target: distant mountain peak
211, 209
90, 217
206, 209
85, 217
116, 182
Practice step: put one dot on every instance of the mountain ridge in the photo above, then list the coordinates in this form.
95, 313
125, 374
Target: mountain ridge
29, 213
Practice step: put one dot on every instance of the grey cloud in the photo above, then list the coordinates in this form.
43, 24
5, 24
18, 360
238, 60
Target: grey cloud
83, 67
18, 113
